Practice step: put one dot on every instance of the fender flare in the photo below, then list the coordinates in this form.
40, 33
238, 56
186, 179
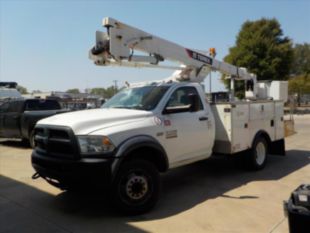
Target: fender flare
265, 135
134, 143
276, 147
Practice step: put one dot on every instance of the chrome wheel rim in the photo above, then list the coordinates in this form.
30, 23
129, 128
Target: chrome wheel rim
260, 153
136, 187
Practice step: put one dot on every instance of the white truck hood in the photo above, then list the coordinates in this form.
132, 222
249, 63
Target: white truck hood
87, 121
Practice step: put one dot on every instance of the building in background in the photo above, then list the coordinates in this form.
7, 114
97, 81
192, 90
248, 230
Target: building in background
70, 101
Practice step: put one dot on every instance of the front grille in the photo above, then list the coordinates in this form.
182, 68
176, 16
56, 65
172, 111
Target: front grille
56, 142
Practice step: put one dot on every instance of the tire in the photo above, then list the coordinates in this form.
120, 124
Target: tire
25, 142
31, 139
136, 187
256, 159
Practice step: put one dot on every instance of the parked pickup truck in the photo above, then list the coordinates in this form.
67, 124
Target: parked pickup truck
18, 117
148, 129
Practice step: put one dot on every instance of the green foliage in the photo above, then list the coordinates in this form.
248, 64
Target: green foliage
22, 90
262, 49
73, 91
106, 93
110, 91
300, 82
299, 85
98, 91
301, 62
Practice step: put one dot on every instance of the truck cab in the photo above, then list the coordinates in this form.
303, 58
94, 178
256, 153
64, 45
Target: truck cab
178, 114
165, 124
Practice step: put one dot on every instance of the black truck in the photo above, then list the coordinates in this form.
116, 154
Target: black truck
18, 117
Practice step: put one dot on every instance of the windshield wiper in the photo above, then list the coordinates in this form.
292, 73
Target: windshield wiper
121, 107
138, 107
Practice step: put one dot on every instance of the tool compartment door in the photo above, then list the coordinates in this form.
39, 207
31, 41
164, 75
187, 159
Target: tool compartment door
279, 121
240, 127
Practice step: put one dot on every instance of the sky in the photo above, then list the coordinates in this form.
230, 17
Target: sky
44, 44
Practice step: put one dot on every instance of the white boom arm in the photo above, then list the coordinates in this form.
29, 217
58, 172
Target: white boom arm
119, 44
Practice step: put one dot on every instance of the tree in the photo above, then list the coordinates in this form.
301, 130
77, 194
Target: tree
106, 93
98, 91
301, 62
262, 49
22, 90
299, 82
73, 91
110, 91
299, 85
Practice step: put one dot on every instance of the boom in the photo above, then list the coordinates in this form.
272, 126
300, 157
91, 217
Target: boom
119, 44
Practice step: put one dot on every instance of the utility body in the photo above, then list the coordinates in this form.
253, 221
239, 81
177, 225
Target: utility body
151, 127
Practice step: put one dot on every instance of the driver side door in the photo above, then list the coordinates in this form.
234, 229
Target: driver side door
186, 133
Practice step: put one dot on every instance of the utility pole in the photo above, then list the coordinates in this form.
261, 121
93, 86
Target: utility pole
115, 86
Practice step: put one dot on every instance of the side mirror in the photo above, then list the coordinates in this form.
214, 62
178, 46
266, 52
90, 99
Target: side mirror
194, 102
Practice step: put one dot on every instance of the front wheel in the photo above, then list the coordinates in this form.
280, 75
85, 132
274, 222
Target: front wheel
136, 187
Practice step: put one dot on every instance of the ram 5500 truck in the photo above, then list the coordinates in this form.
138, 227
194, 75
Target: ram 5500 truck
149, 128
145, 130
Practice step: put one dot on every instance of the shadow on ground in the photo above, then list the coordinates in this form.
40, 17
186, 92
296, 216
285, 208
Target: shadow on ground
183, 188
16, 143
191, 185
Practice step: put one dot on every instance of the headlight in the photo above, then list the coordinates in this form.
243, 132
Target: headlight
95, 144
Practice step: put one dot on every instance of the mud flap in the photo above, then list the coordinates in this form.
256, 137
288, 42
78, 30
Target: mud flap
277, 147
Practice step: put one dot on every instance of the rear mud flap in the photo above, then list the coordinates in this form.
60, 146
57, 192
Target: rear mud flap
277, 147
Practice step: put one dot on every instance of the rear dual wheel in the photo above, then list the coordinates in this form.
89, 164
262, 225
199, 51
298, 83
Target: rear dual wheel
257, 158
254, 158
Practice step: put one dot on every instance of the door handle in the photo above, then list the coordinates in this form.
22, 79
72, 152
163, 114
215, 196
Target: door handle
203, 118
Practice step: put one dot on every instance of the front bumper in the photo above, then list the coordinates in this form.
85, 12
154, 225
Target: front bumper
66, 173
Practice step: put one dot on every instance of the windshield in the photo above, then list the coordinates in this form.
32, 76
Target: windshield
142, 98
9, 93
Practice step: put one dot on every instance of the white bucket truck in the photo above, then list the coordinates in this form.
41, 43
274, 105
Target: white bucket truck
151, 127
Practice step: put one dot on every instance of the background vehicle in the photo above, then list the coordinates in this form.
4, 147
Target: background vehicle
8, 91
152, 127
18, 117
